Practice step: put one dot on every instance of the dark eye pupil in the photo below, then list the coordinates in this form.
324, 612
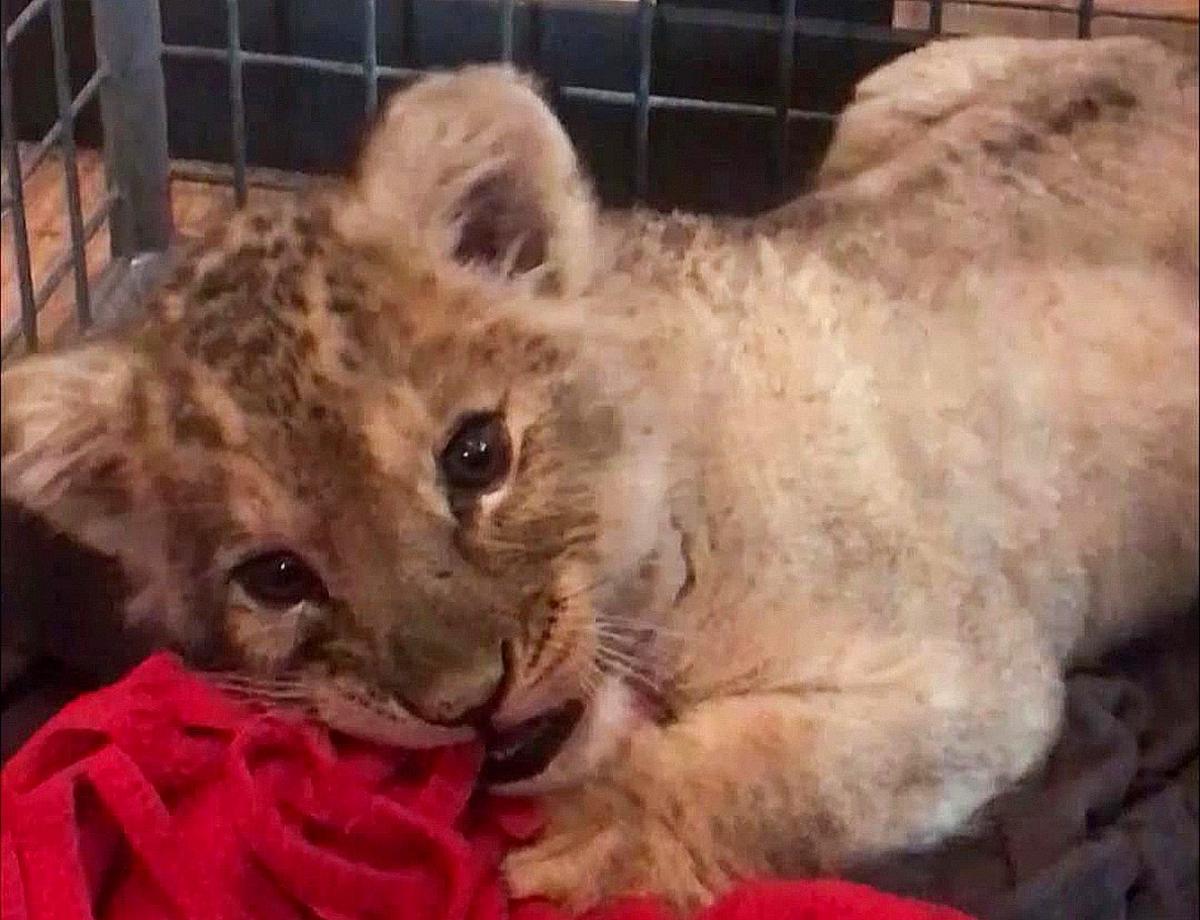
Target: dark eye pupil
477, 456
279, 579
474, 453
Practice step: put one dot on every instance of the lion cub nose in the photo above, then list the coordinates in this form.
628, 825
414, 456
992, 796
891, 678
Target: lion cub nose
457, 696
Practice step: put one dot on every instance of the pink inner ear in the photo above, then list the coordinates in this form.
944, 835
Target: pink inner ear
499, 219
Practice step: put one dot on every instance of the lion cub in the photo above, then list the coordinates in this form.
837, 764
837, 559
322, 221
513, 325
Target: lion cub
754, 546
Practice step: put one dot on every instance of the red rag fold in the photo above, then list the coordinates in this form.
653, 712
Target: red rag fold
159, 799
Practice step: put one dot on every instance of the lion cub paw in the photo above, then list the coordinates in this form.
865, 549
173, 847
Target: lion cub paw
598, 845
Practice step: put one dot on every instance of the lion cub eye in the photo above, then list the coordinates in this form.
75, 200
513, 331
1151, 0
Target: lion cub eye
279, 579
477, 456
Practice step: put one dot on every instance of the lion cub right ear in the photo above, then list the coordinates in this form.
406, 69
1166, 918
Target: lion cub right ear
471, 171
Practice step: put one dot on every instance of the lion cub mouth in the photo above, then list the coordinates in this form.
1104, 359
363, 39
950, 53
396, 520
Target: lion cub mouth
525, 750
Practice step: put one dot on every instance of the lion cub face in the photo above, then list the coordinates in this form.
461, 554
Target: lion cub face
364, 457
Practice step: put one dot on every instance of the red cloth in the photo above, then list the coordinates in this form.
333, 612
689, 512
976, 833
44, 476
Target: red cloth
160, 798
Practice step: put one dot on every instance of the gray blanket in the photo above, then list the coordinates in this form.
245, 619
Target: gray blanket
1108, 830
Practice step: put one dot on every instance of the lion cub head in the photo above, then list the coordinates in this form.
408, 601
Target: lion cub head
368, 456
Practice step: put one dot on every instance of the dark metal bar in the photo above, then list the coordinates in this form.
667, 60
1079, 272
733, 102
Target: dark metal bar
1032, 5
1074, 8
66, 139
1085, 18
112, 296
133, 107
222, 174
24, 18
786, 59
1173, 18
237, 102
935, 17
768, 23
820, 27
27, 321
508, 20
683, 103
371, 55
317, 65
645, 25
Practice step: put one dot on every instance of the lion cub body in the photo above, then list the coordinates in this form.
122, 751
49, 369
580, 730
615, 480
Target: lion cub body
942, 415
956, 381
843, 488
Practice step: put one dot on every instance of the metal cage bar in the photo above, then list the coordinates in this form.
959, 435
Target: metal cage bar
1073, 8
683, 103
12, 163
23, 19
66, 143
935, 17
1142, 16
237, 101
1086, 11
298, 61
222, 174
133, 110
787, 58
371, 55
768, 23
645, 25
508, 23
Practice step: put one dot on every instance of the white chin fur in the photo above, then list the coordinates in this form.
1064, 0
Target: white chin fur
611, 714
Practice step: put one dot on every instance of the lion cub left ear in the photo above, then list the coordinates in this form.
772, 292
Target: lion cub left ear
471, 170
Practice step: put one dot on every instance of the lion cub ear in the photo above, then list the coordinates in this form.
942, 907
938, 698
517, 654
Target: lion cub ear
65, 425
471, 170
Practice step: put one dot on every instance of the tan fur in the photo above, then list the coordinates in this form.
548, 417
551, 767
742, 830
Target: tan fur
840, 490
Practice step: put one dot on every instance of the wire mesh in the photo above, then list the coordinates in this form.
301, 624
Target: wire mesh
66, 138
137, 203
788, 24
73, 260
50, 140
115, 70
27, 319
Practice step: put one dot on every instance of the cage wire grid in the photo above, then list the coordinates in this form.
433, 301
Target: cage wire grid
129, 86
